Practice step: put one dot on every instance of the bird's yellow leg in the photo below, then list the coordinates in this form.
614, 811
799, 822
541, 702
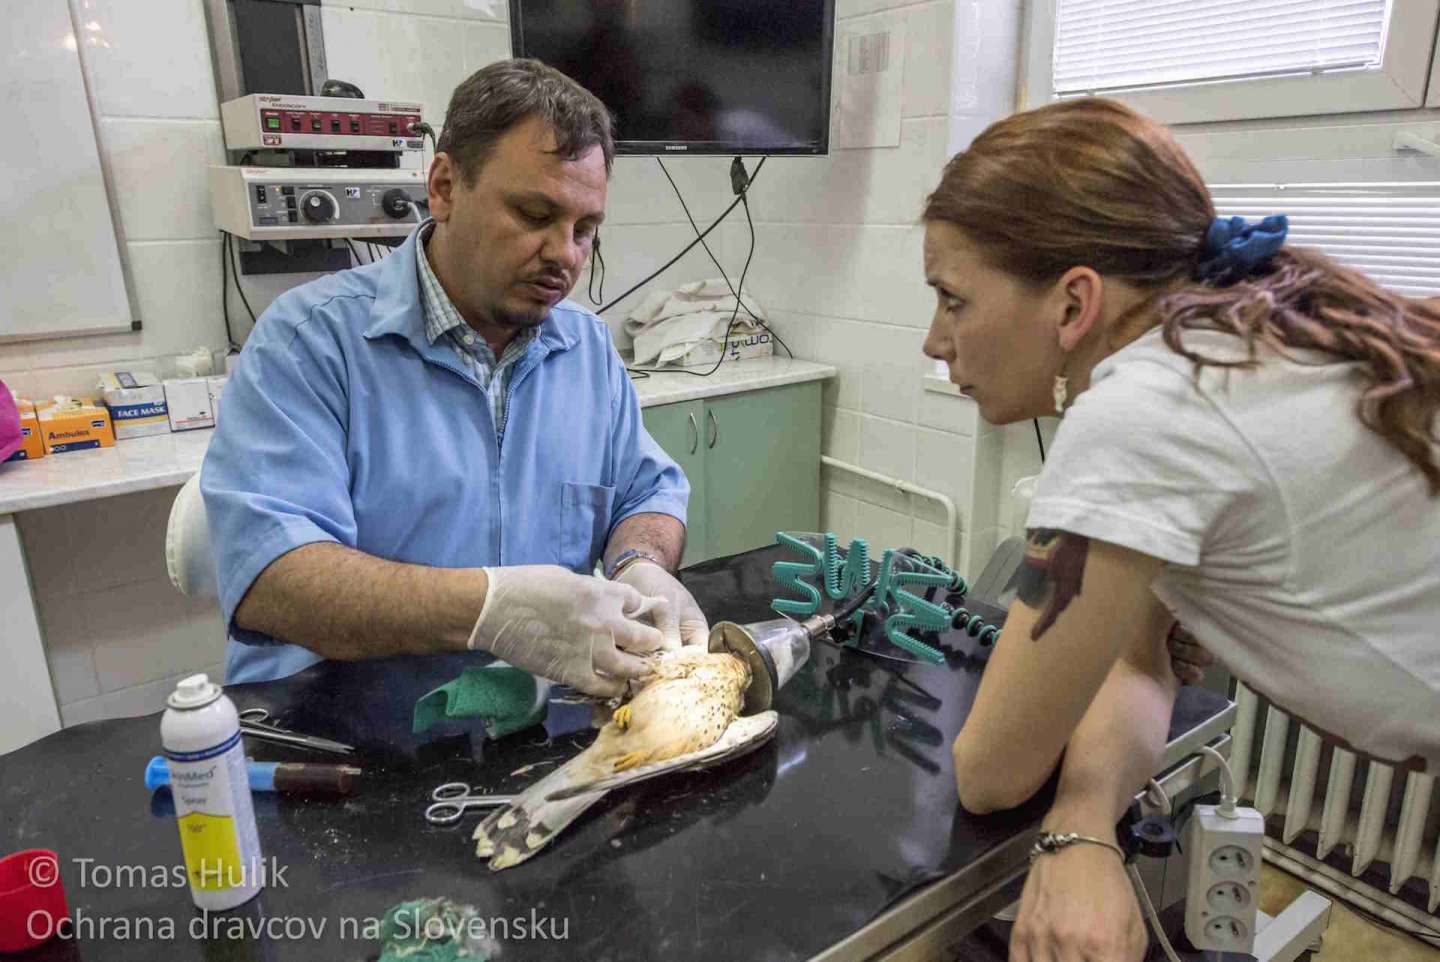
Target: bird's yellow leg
621, 718
631, 760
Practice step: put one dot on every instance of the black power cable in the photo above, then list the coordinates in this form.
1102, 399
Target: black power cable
733, 314
741, 185
594, 292
689, 247
225, 292
235, 265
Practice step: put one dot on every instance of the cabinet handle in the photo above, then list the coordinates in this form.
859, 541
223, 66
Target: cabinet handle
714, 428
694, 433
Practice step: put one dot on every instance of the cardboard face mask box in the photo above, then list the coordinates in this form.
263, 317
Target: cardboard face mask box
74, 424
32, 445
188, 400
137, 404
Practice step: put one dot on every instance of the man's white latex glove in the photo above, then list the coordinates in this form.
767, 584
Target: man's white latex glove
577, 630
685, 624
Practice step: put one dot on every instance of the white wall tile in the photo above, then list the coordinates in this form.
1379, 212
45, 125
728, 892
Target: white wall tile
929, 37
945, 463
160, 176
261, 290
887, 447
964, 129
929, 538
144, 632
397, 57
121, 540
633, 252
485, 43
148, 58
985, 502
88, 350
80, 380
863, 489
882, 527
15, 357
864, 272
880, 186
68, 649
948, 412
796, 331
837, 514
19, 382
178, 287
840, 434
981, 545
640, 194
894, 372
1021, 458
839, 344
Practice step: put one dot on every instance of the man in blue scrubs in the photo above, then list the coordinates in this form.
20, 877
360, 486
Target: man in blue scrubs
430, 453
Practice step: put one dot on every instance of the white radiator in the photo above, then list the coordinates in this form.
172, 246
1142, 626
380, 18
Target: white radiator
1368, 831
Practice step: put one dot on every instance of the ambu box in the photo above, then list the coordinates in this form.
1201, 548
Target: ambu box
74, 424
32, 445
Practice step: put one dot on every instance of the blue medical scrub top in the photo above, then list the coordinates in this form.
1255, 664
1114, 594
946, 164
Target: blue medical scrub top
343, 423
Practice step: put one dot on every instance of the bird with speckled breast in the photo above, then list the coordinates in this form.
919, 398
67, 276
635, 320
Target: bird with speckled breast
687, 709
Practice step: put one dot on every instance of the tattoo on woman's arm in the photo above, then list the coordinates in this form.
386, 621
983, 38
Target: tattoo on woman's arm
1051, 574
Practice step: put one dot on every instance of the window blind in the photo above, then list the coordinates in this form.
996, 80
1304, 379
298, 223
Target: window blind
1389, 231
1109, 45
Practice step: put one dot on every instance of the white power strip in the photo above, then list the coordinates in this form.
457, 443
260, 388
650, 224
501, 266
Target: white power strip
1222, 900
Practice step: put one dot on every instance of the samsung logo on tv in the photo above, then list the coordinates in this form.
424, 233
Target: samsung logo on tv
679, 147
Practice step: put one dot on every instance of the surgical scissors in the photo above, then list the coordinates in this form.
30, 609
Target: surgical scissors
453, 800
255, 722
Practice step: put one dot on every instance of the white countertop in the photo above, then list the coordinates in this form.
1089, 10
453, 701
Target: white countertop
142, 464
734, 377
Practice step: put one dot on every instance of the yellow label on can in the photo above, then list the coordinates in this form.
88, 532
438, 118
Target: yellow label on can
212, 852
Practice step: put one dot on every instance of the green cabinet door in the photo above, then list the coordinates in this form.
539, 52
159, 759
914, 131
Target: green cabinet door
679, 429
762, 466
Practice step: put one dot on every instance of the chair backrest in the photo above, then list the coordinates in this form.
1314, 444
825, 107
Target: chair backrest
187, 544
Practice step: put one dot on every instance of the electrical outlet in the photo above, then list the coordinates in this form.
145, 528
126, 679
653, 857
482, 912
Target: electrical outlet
1228, 898
1222, 897
1231, 860
1228, 934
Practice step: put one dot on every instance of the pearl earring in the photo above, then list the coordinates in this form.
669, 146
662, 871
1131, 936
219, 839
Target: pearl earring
1062, 393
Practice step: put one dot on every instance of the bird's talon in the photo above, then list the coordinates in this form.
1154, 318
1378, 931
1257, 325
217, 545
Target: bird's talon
630, 760
621, 717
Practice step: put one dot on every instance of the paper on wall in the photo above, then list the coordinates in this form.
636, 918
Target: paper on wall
870, 60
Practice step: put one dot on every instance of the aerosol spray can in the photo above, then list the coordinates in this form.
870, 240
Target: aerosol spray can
201, 735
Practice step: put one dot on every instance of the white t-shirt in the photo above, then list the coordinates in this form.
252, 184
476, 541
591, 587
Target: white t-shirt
1300, 547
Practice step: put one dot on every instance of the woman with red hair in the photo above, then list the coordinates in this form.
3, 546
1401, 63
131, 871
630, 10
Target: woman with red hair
1248, 445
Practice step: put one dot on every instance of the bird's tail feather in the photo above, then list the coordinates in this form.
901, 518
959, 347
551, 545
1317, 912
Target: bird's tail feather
515, 833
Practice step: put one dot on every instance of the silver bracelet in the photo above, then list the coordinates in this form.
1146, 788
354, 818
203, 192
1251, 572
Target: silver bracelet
1048, 843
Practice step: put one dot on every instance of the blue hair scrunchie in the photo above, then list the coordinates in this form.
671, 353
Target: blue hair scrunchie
1234, 249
